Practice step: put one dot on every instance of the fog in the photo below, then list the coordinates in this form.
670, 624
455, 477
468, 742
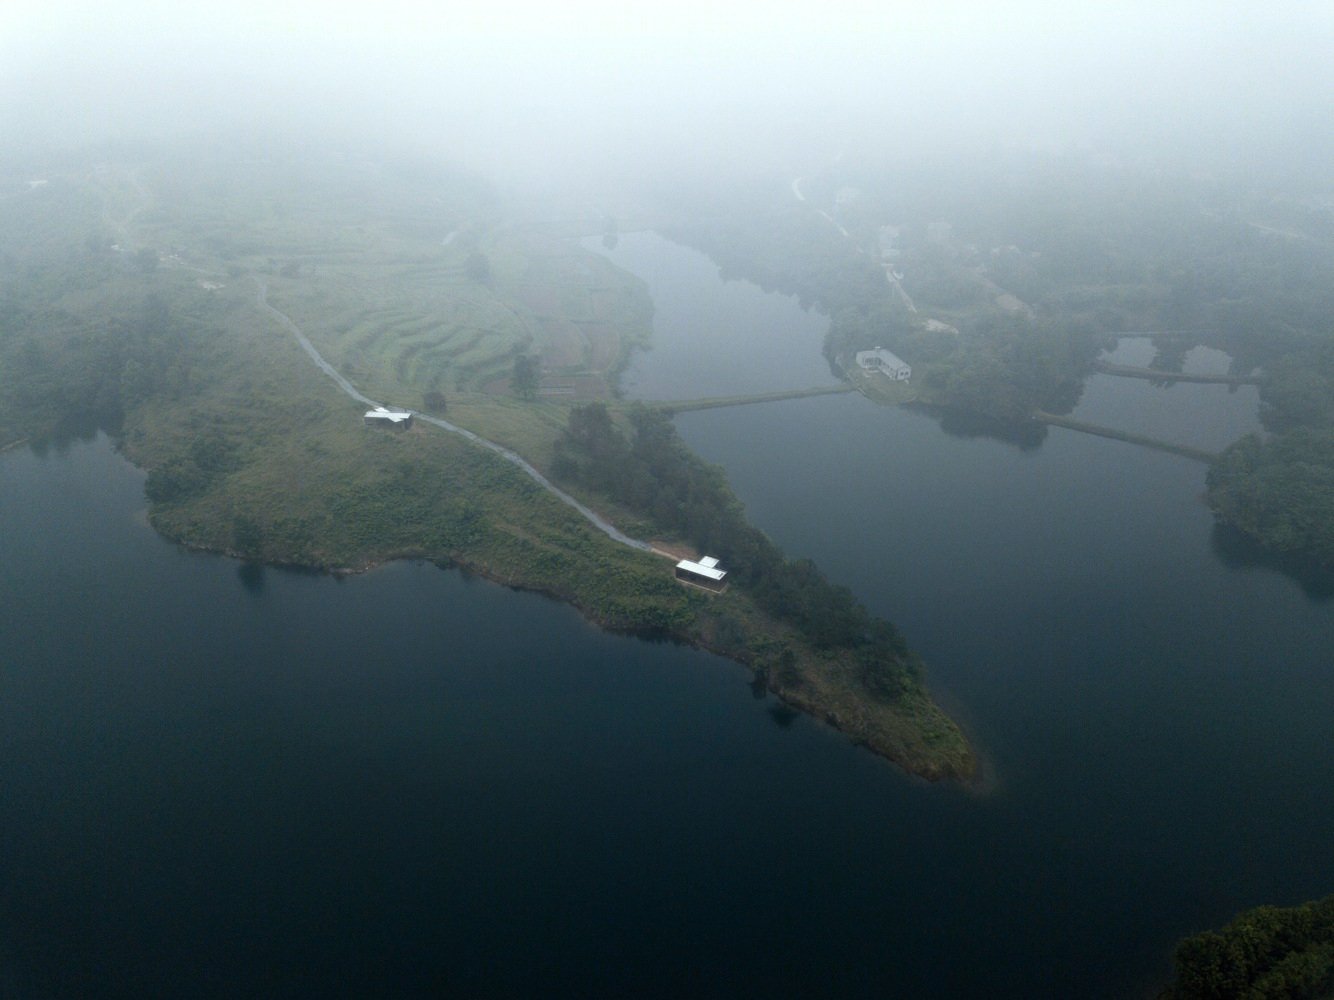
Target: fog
591, 90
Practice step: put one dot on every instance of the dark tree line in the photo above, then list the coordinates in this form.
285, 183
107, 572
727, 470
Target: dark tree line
1281, 490
1265, 954
80, 373
654, 473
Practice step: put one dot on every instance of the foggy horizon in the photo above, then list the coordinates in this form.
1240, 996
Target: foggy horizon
593, 91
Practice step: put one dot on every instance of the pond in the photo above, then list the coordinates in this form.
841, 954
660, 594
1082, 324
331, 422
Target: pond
1197, 414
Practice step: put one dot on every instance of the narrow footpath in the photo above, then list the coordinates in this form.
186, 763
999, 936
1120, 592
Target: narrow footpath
262, 300
1184, 450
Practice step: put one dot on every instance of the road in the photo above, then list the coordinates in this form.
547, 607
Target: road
889, 271
262, 299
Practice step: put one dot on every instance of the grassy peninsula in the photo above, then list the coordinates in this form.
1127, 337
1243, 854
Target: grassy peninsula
131, 303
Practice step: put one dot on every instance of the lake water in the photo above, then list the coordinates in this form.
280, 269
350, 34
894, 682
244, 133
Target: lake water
1191, 413
228, 781
715, 337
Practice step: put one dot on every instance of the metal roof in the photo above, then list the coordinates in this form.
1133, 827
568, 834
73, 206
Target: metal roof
887, 358
699, 569
380, 413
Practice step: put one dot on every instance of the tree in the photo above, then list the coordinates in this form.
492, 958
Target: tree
524, 379
434, 401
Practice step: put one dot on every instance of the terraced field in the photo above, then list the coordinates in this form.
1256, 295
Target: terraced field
406, 286
406, 327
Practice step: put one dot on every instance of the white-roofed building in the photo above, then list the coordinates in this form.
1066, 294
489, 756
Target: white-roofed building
393, 419
704, 573
881, 360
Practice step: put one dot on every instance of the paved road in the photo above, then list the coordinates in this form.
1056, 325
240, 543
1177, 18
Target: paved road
511, 456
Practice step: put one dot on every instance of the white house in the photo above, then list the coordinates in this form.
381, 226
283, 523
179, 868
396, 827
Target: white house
393, 419
704, 573
881, 360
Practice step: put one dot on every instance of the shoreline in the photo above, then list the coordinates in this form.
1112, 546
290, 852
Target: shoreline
930, 772
889, 740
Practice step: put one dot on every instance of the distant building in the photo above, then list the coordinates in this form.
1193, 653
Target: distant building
393, 419
881, 360
704, 573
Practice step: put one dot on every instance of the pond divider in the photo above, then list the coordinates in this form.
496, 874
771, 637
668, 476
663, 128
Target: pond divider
1185, 451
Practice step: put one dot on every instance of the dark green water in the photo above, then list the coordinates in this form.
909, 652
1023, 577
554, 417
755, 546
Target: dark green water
220, 781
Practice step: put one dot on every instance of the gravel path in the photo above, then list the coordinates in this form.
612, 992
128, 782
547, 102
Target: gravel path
605, 527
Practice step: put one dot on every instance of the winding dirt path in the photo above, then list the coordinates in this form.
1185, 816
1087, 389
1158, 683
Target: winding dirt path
262, 300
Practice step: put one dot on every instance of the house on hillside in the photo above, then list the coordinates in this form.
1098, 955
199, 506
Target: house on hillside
881, 360
704, 573
396, 420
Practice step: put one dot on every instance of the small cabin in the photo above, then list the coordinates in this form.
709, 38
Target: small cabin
393, 419
881, 360
704, 573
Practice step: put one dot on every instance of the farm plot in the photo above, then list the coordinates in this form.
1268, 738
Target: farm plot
405, 324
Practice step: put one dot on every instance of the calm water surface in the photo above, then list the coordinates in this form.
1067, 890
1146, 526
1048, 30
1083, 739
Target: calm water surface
1190, 413
224, 781
714, 337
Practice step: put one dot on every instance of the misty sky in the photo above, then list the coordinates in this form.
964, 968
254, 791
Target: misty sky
523, 87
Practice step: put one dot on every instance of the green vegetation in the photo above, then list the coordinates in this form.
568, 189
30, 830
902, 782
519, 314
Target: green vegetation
1280, 490
252, 451
656, 474
826, 641
1265, 954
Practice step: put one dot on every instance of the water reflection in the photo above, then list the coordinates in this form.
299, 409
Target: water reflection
251, 575
1237, 550
782, 714
966, 424
77, 427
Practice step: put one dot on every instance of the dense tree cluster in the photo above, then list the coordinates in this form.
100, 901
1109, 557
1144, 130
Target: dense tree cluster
77, 371
1265, 954
654, 473
1280, 490
190, 473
